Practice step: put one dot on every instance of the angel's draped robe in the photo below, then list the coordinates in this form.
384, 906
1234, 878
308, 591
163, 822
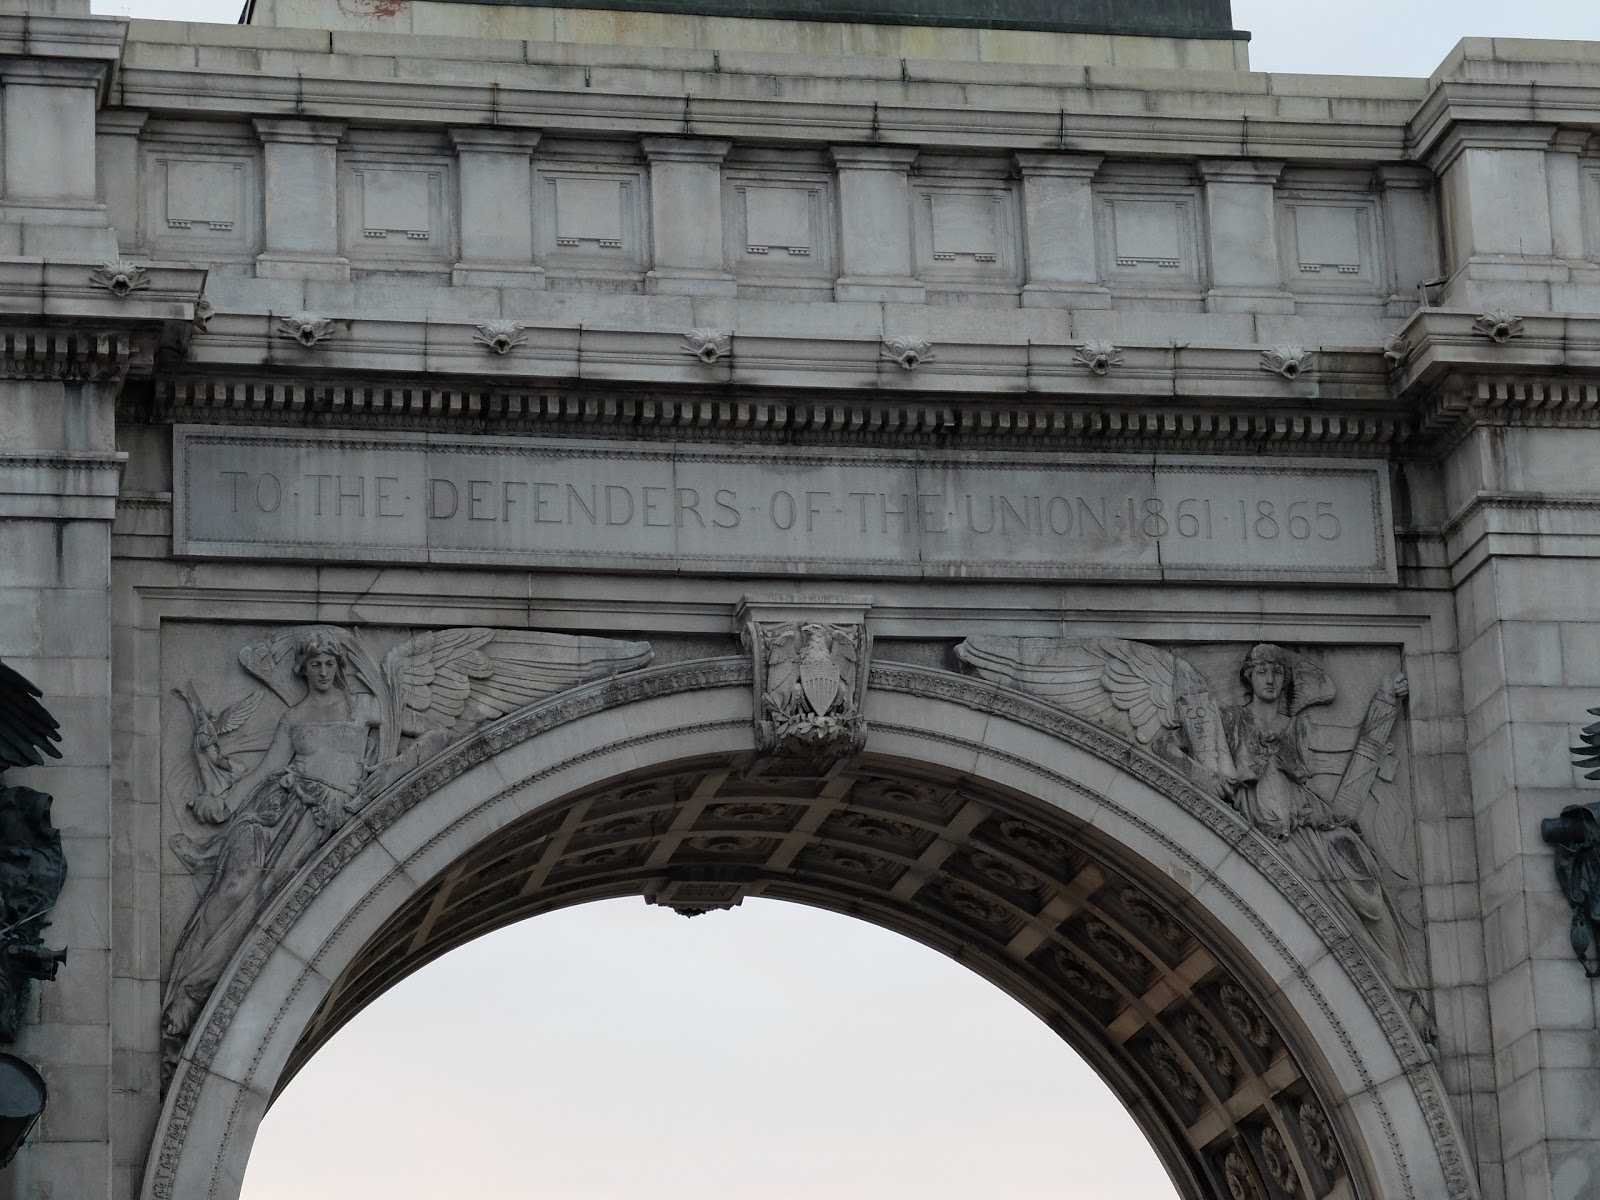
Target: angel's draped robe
282, 822
1275, 796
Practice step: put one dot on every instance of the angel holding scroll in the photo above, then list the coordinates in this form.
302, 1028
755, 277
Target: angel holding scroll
350, 726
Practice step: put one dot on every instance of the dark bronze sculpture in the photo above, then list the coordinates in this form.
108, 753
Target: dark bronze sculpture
1576, 836
32, 866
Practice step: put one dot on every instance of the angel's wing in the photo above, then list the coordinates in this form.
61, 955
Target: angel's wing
453, 679
1127, 686
237, 713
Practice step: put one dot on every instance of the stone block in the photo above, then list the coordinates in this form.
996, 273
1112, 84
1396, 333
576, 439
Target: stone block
1482, 668
1542, 755
1532, 651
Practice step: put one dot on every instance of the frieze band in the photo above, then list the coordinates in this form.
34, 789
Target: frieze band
551, 503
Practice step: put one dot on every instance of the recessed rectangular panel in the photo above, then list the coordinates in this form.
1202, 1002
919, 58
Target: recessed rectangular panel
964, 225
777, 218
1328, 238
589, 210
556, 504
1148, 233
204, 193
397, 202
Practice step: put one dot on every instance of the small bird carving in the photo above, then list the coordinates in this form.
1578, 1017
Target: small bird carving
218, 772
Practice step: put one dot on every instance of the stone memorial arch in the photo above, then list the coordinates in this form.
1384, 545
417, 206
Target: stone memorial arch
1025, 480
1262, 1048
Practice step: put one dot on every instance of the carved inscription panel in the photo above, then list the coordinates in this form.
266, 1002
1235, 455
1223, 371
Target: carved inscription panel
548, 503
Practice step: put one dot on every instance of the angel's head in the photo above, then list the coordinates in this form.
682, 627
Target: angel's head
1267, 676
319, 660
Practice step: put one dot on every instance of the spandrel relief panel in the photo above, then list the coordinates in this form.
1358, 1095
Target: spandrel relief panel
559, 504
1331, 244
201, 202
589, 220
779, 227
274, 737
1150, 237
966, 234
395, 212
1306, 744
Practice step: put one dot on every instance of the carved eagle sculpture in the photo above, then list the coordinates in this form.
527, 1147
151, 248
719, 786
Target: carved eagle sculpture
27, 730
1141, 692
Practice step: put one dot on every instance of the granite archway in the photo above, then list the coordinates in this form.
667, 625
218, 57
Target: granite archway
1250, 1036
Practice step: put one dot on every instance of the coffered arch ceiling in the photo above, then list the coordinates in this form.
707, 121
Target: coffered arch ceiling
1263, 1062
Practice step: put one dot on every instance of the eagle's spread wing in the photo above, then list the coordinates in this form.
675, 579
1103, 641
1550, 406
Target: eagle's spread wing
27, 730
454, 679
1126, 686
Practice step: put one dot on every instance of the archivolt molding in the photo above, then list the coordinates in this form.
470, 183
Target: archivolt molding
184, 1109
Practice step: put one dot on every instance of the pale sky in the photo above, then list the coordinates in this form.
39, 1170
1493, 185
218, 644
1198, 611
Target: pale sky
618, 1052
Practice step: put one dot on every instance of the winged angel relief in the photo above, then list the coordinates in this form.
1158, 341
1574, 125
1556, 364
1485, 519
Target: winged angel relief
349, 726
1255, 755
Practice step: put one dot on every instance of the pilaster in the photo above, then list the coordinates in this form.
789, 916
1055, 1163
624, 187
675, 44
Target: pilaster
1496, 193
1242, 224
496, 173
875, 224
1410, 229
59, 478
301, 200
47, 130
117, 168
686, 216
1058, 222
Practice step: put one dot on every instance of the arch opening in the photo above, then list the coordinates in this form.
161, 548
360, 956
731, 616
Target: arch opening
614, 1049
1061, 868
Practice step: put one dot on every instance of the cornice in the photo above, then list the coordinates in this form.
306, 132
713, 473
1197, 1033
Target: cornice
1463, 403
768, 415
867, 100
1499, 111
90, 356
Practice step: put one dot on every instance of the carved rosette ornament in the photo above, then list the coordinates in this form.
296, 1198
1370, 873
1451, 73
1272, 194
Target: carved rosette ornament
1242, 1181
1099, 355
1246, 1017
1289, 361
1209, 1047
1080, 978
1275, 1154
1172, 1071
810, 656
708, 345
120, 277
33, 867
307, 328
500, 337
1498, 325
908, 352
1318, 1137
